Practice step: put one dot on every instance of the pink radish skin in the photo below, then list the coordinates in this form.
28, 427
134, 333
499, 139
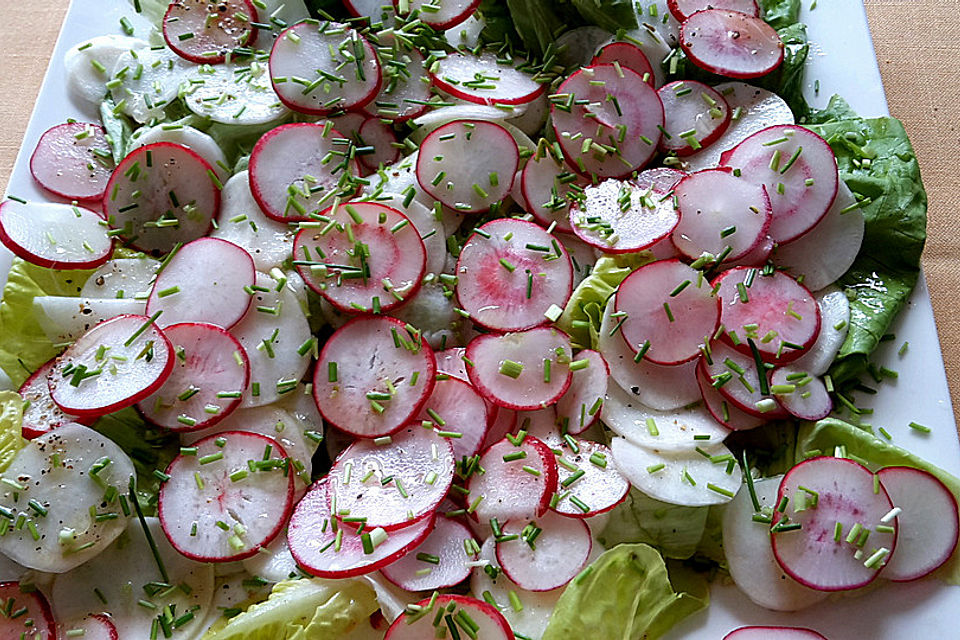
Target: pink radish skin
496, 268
36, 623
683, 9
756, 257
722, 410
689, 105
373, 132
598, 490
629, 56
134, 377
408, 463
312, 540
205, 31
621, 217
41, 414
523, 386
731, 43
502, 422
450, 12
674, 321
213, 363
744, 395
810, 555
815, 406
927, 531
545, 195
54, 236
450, 362
579, 408
95, 627
70, 167
445, 542
562, 550
491, 625
505, 490
773, 633
462, 411
511, 85
356, 360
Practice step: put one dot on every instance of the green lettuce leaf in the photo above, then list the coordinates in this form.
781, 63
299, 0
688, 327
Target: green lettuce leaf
674, 530
11, 422
626, 594
118, 129
780, 13
537, 23
612, 15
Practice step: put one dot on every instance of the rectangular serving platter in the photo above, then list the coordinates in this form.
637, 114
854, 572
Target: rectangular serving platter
842, 61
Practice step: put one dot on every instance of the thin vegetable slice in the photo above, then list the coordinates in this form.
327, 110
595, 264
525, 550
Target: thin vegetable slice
55, 236
731, 43
545, 553
456, 408
588, 482
481, 618
73, 161
579, 407
518, 480
438, 563
27, 613
205, 31
695, 116
623, 217
485, 78
40, 413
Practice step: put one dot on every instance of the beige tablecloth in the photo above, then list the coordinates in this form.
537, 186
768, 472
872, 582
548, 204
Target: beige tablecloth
917, 44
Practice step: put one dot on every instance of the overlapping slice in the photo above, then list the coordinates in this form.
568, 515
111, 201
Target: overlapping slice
55, 236
545, 553
623, 217
40, 413
439, 562
695, 116
485, 621
485, 78
579, 407
205, 31
456, 408
33, 617
518, 480
731, 43
588, 482
73, 160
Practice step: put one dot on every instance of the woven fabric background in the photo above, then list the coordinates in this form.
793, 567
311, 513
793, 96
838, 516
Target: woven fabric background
917, 43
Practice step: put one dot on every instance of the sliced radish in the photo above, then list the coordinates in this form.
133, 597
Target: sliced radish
579, 407
438, 563
121, 278
510, 273
64, 318
773, 633
502, 422
588, 482
661, 180
731, 43
546, 553
313, 535
55, 236
429, 228
147, 79
73, 161
319, 68
683, 9
242, 222
927, 524
734, 375
441, 14
406, 85
378, 357
722, 410
841, 501
776, 313
27, 614
94, 627
798, 169
834, 325
228, 499
616, 111
292, 175
627, 55
695, 116
525, 370
83, 79
274, 562
668, 312
487, 622
376, 11
194, 139
621, 217
381, 137
450, 361
720, 214
161, 194
455, 407
235, 94
756, 257
503, 82
41, 414
366, 257
114, 365
517, 481
546, 184
803, 396
205, 31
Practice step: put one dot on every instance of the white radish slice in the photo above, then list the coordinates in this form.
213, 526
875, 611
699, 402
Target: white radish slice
927, 531
40, 413
84, 79
443, 14
227, 500
668, 311
489, 623
393, 484
436, 118
657, 386
475, 186
734, 375
455, 407
62, 475
310, 62
65, 318
756, 257
773, 633
720, 214
94, 627
450, 362
114, 365
588, 482
656, 44
55, 236
433, 311
374, 133
510, 273
731, 43
439, 562
376, 11
235, 94
579, 407
186, 136
243, 223
313, 534
73, 161
149, 80
274, 562
546, 184
825, 252
574, 47
502, 82
621, 217
834, 325
215, 271
722, 410
661, 180
467, 33
695, 116
502, 422
373, 355
798, 169
161, 194
582, 256
26, 613
629, 56
677, 430
687, 478
803, 396
683, 9
380, 276
552, 558
841, 500
121, 278
511, 370
622, 112
776, 312
205, 31
207, 381
529, 118
508, 489
406, 86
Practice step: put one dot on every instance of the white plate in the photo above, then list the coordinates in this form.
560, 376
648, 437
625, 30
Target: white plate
842, 59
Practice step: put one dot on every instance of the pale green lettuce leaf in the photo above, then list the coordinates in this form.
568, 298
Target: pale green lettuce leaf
674, 530
11, 422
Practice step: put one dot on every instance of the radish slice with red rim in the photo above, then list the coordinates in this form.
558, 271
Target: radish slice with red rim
450, 362
94, 627
803, 396
367, 257
660, 180
546, 184
620, 217
773, 633
114, 365
469, 187
517, 482
502, 422
55, 236
588, 483
33, 618
490, 623
683, 9
734, 375
668, 312
507, 83
312, 61
546, 553
510, 273
205, 31
441, 14
455, 407
320, 548
207, 381
695, 116
162, 194
438, 563
73, 161
756, 257
373, 133
379, 356
629, 56
525, 370
228, 499
41, 414
406, 86
832, 504
731, 43
927, 524
722, 410
393, 483
579, 408
799, 171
